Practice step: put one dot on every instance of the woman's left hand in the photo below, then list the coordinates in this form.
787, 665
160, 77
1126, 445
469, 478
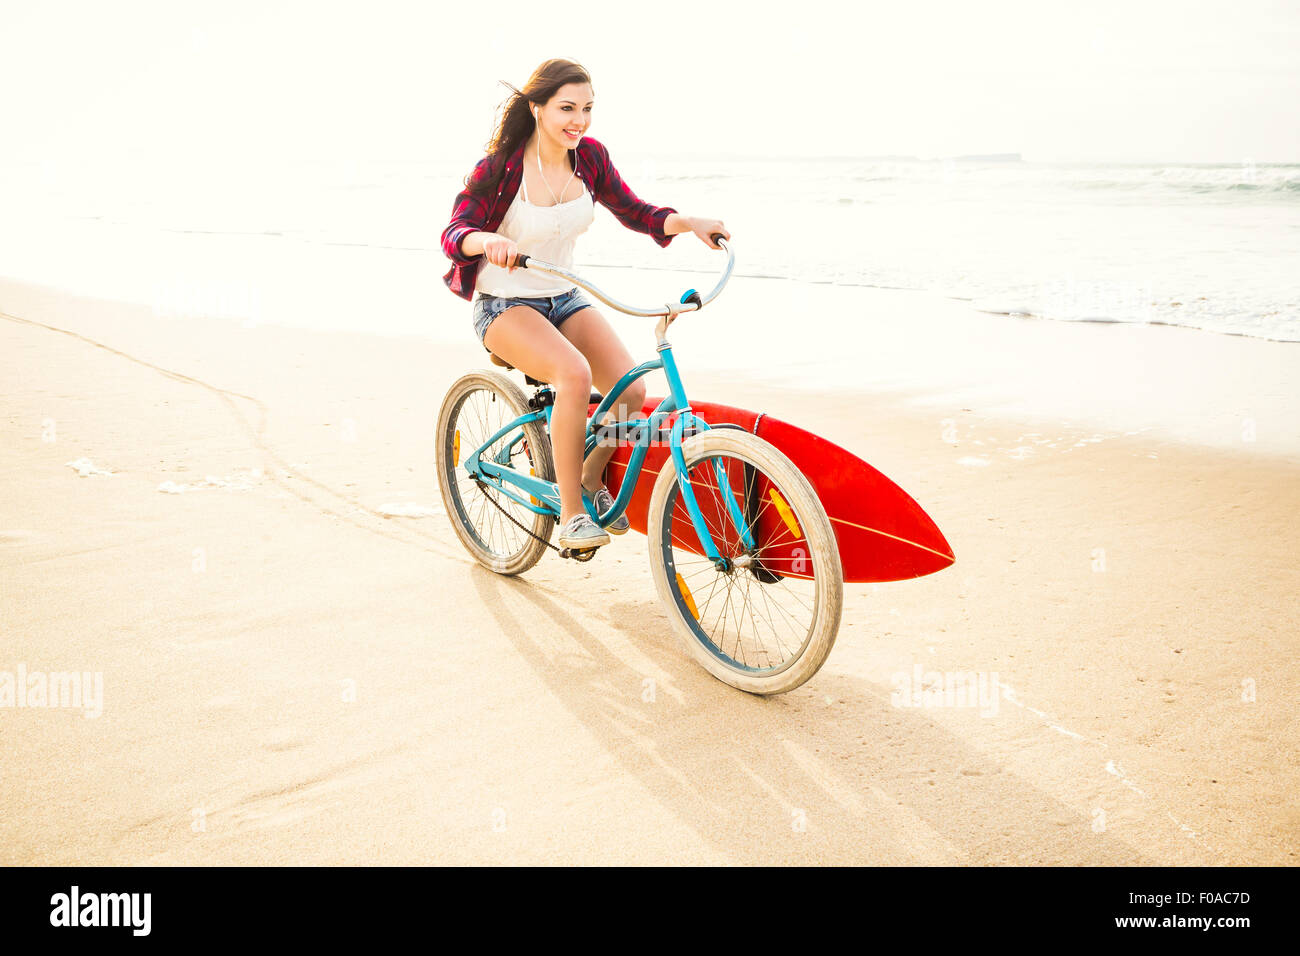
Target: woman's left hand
704, 228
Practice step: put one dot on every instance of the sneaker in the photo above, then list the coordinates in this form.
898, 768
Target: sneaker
603, 501
581, 532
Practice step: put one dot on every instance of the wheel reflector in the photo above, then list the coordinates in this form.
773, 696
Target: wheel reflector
686, 596
455, 449
533, 472
784, 511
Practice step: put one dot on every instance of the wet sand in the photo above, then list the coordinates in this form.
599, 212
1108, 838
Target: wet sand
291, 676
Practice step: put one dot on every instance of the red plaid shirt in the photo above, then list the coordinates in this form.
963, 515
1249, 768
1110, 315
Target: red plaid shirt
484, 213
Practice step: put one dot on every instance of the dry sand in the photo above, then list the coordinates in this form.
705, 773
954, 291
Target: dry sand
291, 677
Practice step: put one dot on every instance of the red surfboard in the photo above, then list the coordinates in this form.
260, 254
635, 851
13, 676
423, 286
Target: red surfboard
882, 533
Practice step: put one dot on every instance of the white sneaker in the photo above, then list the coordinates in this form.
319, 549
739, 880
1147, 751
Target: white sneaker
581, 532
603, 501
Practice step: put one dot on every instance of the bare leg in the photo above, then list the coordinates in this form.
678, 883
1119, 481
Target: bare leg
524, 338
609, 360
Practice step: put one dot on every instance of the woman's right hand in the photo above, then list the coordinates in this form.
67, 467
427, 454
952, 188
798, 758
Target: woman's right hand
500, 251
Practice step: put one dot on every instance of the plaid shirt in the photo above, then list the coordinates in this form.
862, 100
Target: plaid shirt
484, 213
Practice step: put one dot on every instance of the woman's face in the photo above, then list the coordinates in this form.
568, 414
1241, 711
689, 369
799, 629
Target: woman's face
567, 116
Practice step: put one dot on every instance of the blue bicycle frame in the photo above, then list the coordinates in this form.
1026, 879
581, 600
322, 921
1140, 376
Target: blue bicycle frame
543, 497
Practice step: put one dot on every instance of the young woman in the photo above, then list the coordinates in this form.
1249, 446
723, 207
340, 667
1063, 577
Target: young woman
535, 193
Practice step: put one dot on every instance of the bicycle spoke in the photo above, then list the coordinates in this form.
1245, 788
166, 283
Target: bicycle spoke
757, 624
788, 619
492, 516
757, 612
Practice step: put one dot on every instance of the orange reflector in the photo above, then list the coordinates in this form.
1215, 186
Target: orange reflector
784, 511
686, 596
455, 449
533, 472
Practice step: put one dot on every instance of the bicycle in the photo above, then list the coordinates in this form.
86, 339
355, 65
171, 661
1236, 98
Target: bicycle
741, 550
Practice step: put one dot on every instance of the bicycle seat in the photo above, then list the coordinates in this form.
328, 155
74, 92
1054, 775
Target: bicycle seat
502, 363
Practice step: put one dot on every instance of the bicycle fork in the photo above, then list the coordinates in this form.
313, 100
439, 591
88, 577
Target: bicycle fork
677, 394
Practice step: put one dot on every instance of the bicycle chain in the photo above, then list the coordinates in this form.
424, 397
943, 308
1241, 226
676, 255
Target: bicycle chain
527, 531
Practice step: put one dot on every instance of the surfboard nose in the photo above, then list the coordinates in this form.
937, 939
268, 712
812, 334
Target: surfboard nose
905, 540
883, 534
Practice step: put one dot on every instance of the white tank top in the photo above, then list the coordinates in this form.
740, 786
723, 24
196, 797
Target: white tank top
547, 232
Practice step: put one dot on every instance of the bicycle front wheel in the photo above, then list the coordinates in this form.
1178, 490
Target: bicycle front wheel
502, 534
766, 621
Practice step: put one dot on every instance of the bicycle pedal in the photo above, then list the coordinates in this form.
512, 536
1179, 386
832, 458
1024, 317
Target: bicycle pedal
579, 554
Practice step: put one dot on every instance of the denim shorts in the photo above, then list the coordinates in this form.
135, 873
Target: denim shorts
555, 308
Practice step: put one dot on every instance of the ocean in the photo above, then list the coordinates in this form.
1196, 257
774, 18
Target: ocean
355, 245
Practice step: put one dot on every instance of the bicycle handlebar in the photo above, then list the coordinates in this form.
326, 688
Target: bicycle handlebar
693, 304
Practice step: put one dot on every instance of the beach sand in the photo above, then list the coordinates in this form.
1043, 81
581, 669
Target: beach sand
292, 677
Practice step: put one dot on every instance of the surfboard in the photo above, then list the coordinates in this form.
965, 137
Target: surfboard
882, 533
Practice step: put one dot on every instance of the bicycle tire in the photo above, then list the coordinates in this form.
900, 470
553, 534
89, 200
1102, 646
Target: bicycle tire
741, 449
472, 522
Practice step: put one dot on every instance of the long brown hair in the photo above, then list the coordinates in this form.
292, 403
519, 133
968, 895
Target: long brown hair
517, 122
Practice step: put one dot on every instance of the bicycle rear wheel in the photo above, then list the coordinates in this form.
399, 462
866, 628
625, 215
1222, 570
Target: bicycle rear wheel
474, 409
767, 621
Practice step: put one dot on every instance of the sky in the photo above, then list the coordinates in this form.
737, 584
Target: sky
236, 81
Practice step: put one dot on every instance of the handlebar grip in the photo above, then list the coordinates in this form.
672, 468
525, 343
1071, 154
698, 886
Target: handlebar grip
521, 261
716, 236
